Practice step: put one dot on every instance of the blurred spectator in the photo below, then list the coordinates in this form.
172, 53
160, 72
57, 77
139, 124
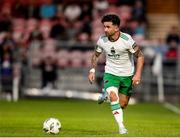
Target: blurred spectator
6, 62
7, 45
84, 34
48, 9
100, 5
86, 10
73, 30
35, 43
138, 11
33, 9
127, 29
58, 30
6, 72
72, 12
172, 40
138, 29
113, 8
161, 48
20, 9
35, 35
173, 35
172, 52
67, 20
5, 22
125, 14
49, 72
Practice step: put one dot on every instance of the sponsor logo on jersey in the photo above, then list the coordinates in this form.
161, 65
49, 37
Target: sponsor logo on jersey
113, 50
113, 54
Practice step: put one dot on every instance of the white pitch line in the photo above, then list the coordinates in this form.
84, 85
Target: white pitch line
172, 108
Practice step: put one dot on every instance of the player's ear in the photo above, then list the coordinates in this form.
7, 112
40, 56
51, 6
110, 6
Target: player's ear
117, 28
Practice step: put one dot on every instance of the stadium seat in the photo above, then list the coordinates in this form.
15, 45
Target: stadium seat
35, 57
31, 24
49, 48
45, 27
63, 58
76, 59
18, 29
87, 58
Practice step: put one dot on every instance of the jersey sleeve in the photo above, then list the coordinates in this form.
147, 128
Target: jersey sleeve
131, 44
98, 47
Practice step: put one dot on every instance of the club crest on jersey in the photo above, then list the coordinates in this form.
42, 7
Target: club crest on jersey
113, 54
113, 50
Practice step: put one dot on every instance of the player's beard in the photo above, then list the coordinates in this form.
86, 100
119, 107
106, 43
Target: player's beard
110, 34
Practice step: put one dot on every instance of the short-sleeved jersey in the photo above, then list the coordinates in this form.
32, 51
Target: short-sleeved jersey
119, 54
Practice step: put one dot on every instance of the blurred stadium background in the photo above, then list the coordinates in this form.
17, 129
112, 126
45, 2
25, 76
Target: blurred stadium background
46, 46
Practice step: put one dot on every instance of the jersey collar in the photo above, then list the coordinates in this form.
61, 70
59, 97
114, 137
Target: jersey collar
115, 39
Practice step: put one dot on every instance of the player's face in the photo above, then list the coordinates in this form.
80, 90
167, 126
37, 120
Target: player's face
110, 29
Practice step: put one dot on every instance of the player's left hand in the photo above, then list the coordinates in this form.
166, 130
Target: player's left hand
136, 80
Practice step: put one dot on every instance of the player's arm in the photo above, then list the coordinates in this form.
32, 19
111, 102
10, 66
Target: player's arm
94, 61
139, 65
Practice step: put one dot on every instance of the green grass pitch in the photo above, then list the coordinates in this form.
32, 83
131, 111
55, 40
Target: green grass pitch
81, 118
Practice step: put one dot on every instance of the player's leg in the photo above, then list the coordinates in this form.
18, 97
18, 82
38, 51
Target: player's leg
125, 91
103, 97
123, 100
111, 84
116, 108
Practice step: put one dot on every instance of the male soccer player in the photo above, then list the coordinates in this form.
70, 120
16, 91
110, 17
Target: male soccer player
120, 74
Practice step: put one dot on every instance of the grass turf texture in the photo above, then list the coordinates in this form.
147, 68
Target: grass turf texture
85, 119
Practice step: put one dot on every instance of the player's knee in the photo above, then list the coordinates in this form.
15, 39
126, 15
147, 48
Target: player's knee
113, 96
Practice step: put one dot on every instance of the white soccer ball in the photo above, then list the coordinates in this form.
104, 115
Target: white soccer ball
52, 126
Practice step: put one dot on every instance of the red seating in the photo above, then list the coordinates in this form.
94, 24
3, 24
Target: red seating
18, 29
31, 24
87, 58
76, 59
45, 27
63, 58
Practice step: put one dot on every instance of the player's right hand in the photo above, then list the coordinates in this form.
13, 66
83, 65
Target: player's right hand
91, 77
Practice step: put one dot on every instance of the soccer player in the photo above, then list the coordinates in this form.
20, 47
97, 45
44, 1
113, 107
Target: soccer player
120, 73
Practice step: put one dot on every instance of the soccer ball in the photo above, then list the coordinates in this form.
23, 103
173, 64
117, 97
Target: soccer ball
52, 126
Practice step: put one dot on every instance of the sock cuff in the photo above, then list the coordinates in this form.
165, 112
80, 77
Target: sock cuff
115, 106
114, 102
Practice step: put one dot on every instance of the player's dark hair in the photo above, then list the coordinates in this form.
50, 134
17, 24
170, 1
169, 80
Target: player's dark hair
111, 18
